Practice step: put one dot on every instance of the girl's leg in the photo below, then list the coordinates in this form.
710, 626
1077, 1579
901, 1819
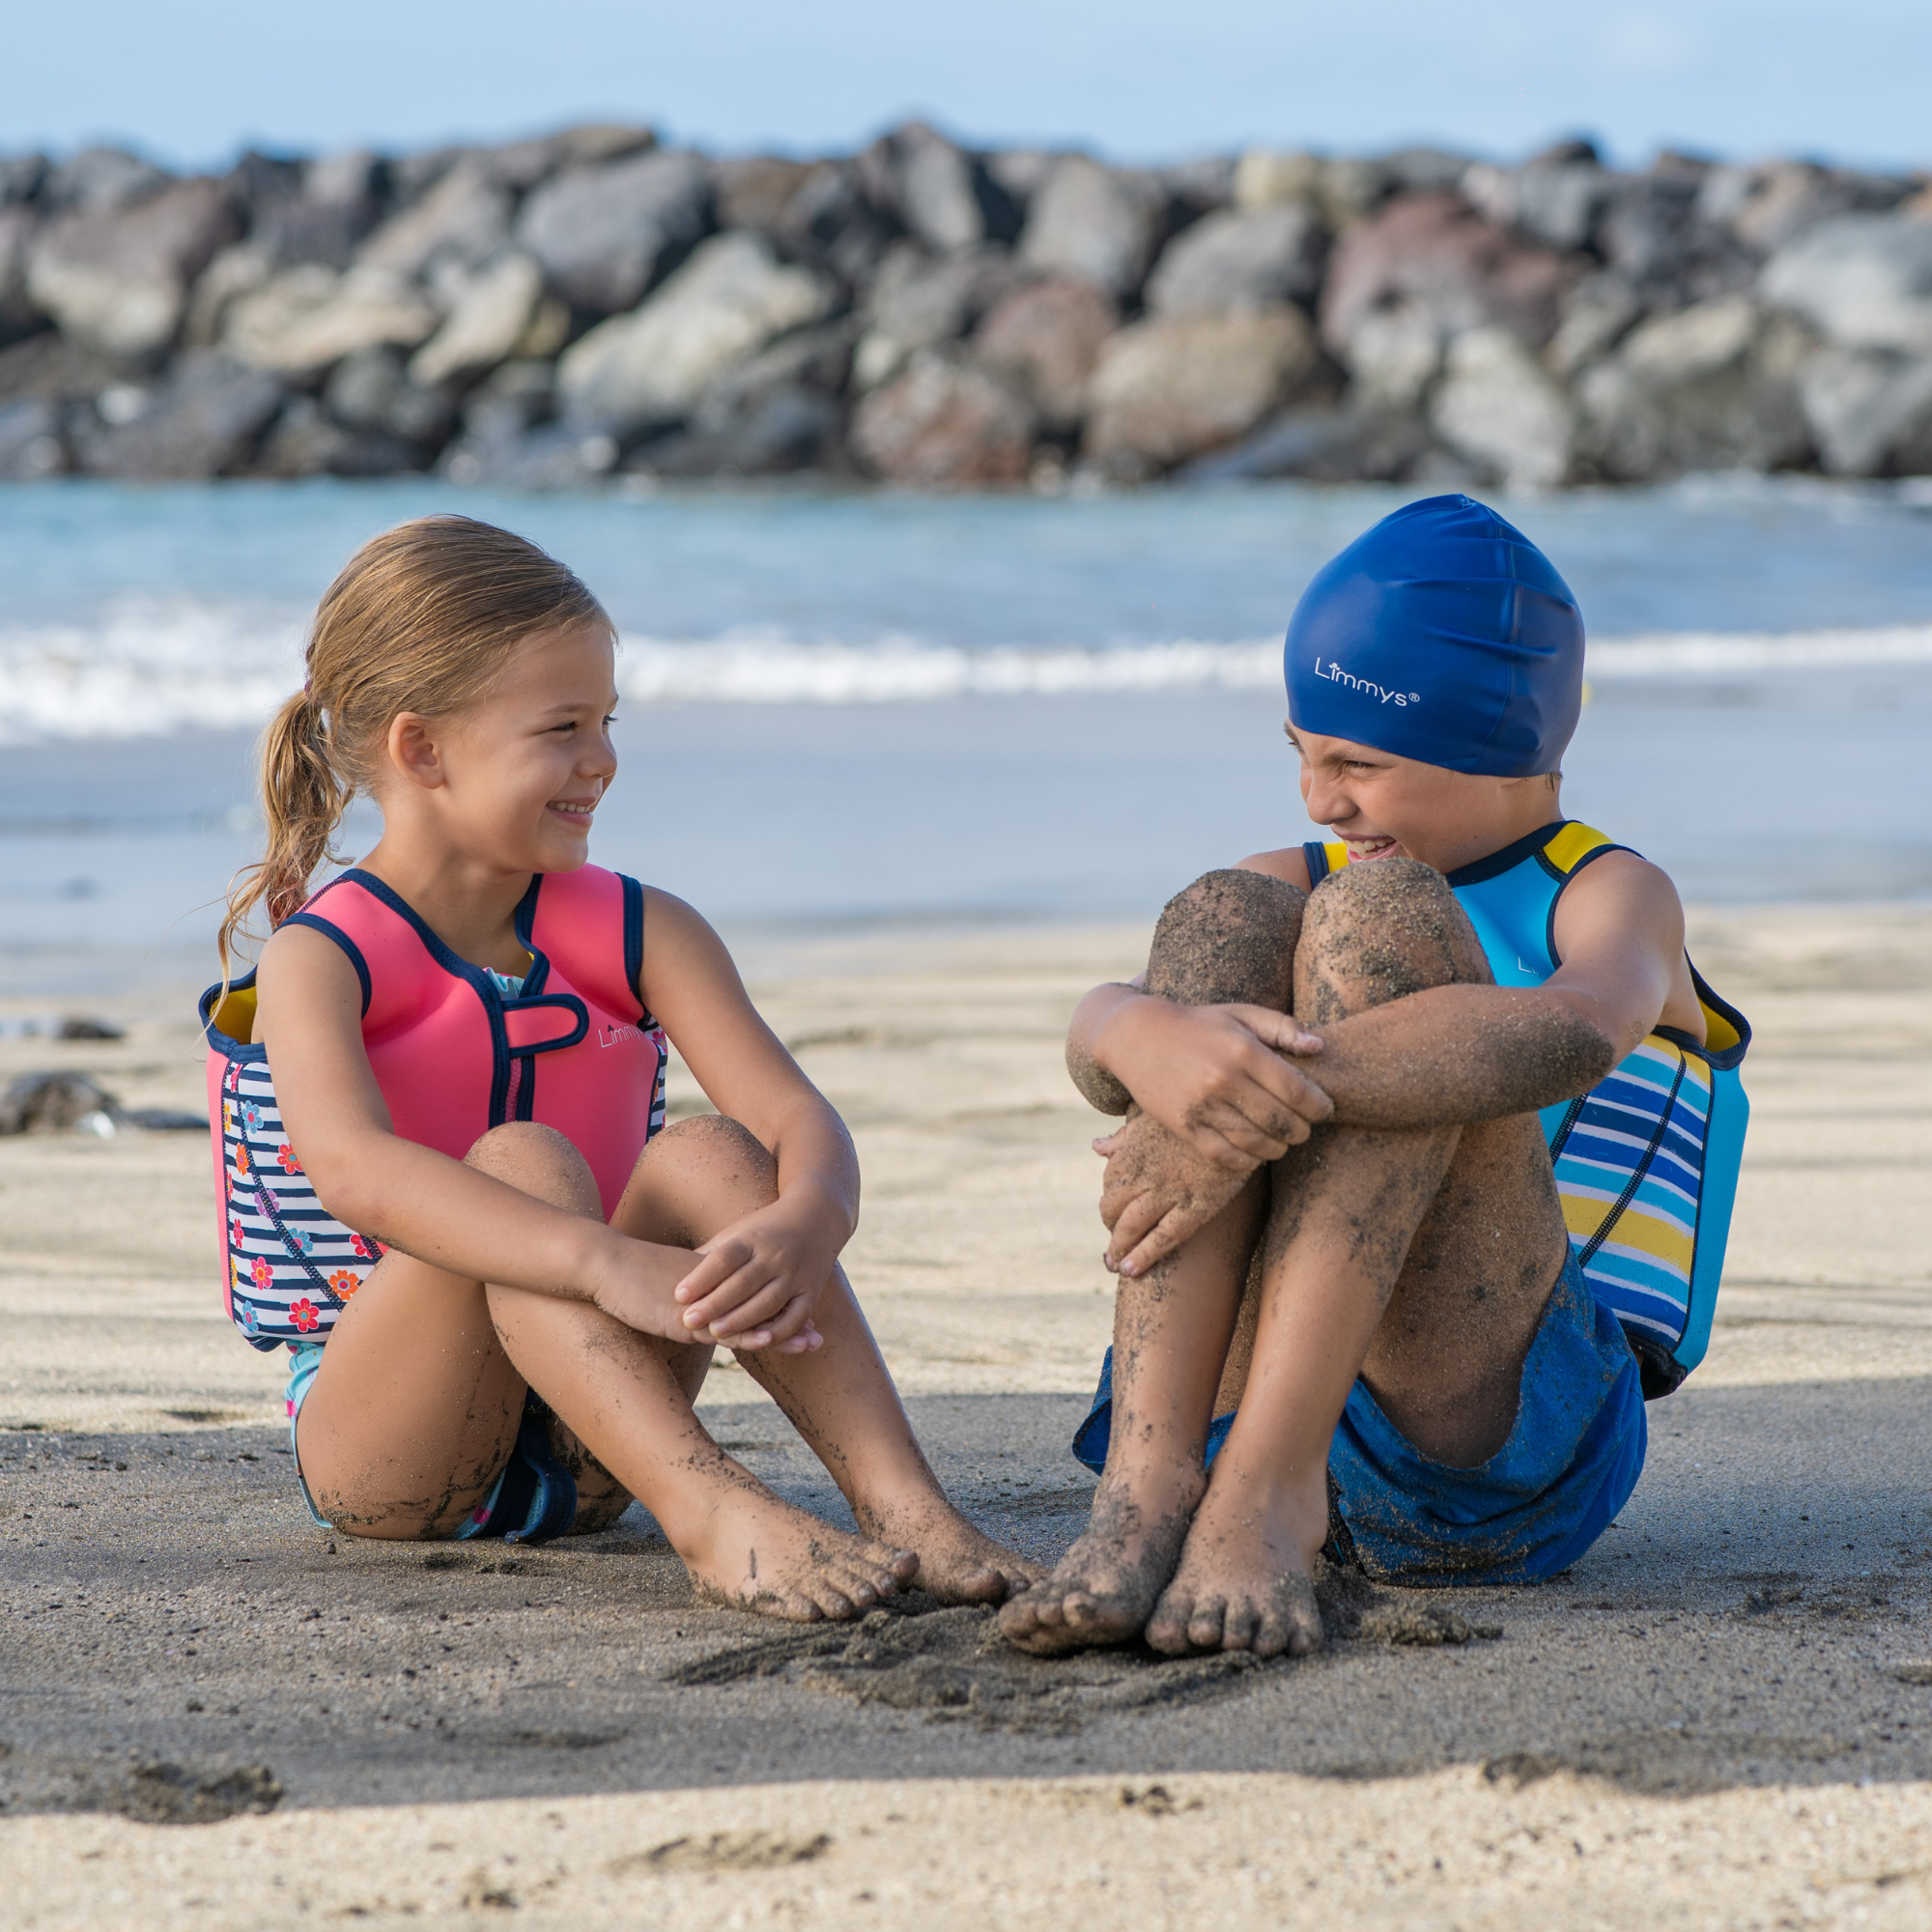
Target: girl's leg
703, 1174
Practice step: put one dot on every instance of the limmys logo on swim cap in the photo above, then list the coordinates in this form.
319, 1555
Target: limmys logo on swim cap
1333, 673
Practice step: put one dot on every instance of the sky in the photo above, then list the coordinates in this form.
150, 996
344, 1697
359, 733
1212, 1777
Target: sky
191, 83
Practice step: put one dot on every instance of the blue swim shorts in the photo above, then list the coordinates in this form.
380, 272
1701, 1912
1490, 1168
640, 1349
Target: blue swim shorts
1568, 1465
533, 1499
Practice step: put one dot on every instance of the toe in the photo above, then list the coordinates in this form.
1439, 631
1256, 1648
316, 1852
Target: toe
1204, 1626
1167, 1627
1239, 1626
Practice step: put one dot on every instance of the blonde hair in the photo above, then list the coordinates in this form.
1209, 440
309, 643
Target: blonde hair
421, 619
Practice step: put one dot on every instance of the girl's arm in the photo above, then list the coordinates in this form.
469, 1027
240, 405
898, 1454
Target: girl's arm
764, 1273
308, 1018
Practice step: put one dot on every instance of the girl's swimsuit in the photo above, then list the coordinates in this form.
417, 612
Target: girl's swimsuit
456, 1050
1646, 1166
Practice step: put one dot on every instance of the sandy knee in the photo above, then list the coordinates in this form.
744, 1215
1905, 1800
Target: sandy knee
539, 1161
1229, 937
1385, 930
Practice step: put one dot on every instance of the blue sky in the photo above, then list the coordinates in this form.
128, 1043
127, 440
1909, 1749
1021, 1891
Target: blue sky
194, 80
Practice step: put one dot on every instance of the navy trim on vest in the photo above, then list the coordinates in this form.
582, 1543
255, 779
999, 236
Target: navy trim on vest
1315, 854
633, 941
343, 939
567, 1002
1507, 858
1563, 879
220, 1042
525, 920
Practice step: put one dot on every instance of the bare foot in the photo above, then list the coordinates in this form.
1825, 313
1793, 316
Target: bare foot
757, 1553
957, 1563
1246, 1581
1103, 1588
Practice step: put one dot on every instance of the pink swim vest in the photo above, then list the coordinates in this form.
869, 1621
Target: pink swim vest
454, 1056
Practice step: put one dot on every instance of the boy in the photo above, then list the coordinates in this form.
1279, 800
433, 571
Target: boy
1332, 1205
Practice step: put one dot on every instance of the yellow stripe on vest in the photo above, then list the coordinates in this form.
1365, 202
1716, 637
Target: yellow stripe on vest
1572, 845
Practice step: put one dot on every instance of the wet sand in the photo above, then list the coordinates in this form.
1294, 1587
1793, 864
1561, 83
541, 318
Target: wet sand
1714, 1719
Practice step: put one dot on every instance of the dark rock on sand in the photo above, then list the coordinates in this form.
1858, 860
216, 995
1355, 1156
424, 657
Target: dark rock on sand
204, 421
53, 1103
945, 422
1045, 337
1103, 225
117, 277
604, 235
1176, 386
1242, 259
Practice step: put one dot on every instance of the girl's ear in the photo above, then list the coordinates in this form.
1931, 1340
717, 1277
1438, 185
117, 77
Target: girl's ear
414, 753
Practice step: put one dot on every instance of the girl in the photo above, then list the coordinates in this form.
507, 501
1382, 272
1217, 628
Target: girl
519, 1271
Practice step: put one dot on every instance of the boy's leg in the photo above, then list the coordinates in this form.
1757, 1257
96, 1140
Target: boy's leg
1231, 937
1422, 1259
839, 1398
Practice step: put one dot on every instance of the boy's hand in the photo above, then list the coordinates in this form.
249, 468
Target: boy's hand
1216, 1078
1157, 1192
757, 1281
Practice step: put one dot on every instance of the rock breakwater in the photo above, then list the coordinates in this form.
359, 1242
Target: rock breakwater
554, 312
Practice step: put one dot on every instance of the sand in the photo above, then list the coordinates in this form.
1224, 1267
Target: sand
1715, 1720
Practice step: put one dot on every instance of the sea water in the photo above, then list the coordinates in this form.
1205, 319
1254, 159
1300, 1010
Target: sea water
843, 707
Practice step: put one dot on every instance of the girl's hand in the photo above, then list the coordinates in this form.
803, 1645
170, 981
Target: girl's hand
1219, 1078
757, 1281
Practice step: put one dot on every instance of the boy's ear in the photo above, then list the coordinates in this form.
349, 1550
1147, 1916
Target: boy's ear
414, 751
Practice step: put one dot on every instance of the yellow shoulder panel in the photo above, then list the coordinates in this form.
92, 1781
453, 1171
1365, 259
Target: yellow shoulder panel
1572, 845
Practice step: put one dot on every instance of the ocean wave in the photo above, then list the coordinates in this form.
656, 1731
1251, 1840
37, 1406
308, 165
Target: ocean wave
144, 668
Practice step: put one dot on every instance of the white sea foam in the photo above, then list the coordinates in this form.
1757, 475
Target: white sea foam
143, 669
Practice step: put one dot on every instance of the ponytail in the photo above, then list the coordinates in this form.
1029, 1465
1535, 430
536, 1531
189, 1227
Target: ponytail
421, 619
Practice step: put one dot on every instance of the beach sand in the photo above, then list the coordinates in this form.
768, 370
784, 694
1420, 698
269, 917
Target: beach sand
1721, 1716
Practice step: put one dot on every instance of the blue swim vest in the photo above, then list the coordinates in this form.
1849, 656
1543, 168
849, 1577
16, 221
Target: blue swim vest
1647, 1161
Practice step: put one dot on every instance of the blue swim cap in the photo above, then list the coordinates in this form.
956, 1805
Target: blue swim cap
1441, 635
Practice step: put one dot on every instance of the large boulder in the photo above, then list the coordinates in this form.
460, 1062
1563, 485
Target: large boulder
374, 392
1498, 407
1653, 232
490, 311
21, 177
305, 441
917, 303
1426, 267
817, 213
1103, 225
524, 164
945, 423
604, 234
651, 366
19, 314
1242, 259
1556, 200
1871, 411
943, 196
1176, 386
779, 411
464, 220
1772, 203
306, 320
205, 421
1710, 388
1045, 338
1864, 281
98, 178
117, 279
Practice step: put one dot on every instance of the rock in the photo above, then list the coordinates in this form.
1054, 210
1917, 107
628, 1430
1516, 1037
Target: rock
1863, 280
1019, 171
776, 412
1424, 268
1045, 338
1710, 388
490, 311
755, 190
604, 234
49, 368
22, 176
1178, 386
1556, 201
945, 423
1602, 310
205, 421
306, 442
57, 1103
373, 392
524, 164
1242, 260
816, 212
730, 299
1203, 186
1322, 446
1262, 178
915, 302
1650, 230
463, 220
1102, 225
117, 279
942, 194
306, 320
339, 204
235, 271
1871, 411
1772, 203
19, 314
552, 458
98, 180
31, 447
1498, 407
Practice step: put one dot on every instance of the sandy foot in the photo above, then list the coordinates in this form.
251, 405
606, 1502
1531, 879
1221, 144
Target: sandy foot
1245, 1576
761, 1555
957, 1563
1105, 1586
